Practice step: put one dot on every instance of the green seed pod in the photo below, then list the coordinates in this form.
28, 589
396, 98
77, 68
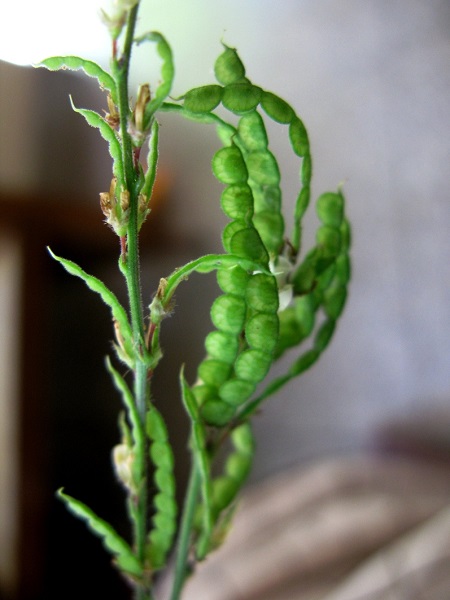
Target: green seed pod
304, 311
237, 467
228, 165
233, 281
165, 482
330, 209
164, 504
299, 137
290, 332
237, 202
329, 239
223, 493
236, 391
345, 235
217, 412
302, 202
228, 313
270, 226
241, 97
253, 365
203, 393
228, 67
161, 455
247, 244
252, 131
276, 108
324, 334
267, 198
306, 173
222, 346
261, 332
203, 99
214, 372
262, 293
242, 438
305, 361
228, 233
343, 269
263, 168
334, 301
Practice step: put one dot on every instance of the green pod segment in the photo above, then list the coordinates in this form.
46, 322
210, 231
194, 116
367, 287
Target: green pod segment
252, 132
270, 226
160, 538
330, 209
222, 346
203, 99
233, 281
226, 487
329, 240
235, 392
229, 166
217, 413
214, 372
277, 109
228, 313
253, 365
240, 98
247, 243
262, 293
262, 168
261, 332
237, 202
299, 137
228, 67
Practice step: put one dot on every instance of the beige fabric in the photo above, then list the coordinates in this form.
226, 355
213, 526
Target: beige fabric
348, 529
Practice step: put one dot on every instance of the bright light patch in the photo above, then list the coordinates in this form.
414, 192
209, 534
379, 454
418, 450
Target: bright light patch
31, 30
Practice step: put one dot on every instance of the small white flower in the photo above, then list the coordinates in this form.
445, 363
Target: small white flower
281, 269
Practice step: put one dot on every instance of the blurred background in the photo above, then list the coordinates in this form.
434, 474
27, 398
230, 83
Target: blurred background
371, 80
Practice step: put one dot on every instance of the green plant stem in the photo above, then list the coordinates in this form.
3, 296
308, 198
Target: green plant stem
184, 536
131, 269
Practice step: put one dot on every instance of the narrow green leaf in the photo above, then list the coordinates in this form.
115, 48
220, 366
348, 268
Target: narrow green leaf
200, 454
133, 415
109, 298
167, 72
108, 134
92, 69
152, 162
125, 559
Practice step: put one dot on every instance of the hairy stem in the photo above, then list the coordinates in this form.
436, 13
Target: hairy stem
131, 270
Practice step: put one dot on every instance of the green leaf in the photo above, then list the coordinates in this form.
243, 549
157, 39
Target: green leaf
96, 285
92, 69
133, 415
124, 558
200, 455
152, 161
167, 72
108, 134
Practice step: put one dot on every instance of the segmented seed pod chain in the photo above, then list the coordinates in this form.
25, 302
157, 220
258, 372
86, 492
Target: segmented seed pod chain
274, 298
